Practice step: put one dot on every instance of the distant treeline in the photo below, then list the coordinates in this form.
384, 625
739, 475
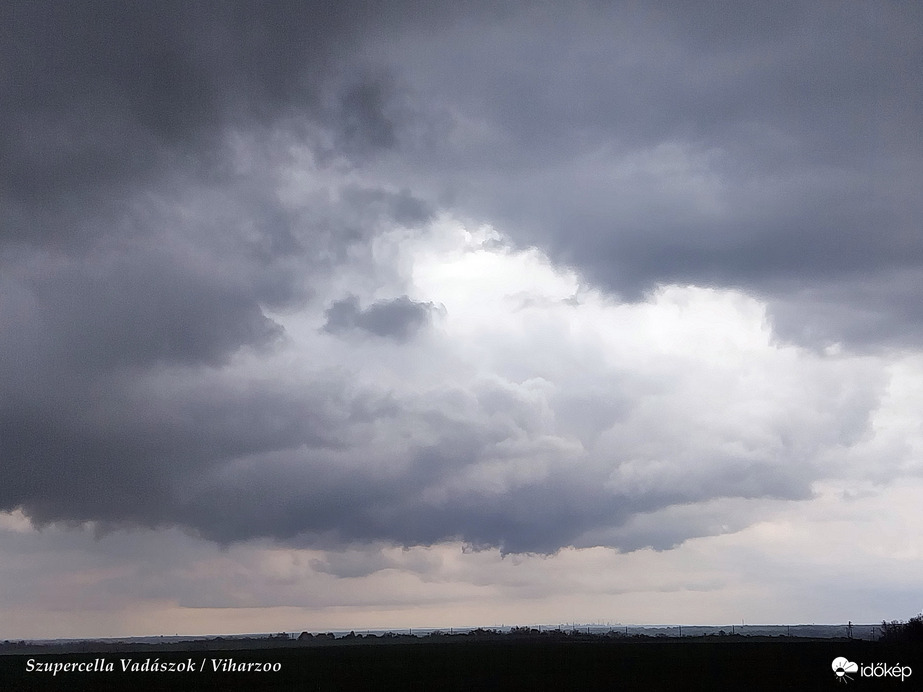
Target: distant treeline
899, 631
895, 631
308, 639
531, 633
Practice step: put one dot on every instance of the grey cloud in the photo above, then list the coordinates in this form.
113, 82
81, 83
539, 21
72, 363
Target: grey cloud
450, 472
800, 121
327, 464
130, 234
766, 148
671, 526
101, 450
229, 465
397, 319
103, 92
147, 310
364, 121
353, 563
774, 148
103, 98
134, 233
861, 313
311, 504
401, 207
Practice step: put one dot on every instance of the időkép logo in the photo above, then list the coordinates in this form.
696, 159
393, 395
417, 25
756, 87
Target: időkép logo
842, 667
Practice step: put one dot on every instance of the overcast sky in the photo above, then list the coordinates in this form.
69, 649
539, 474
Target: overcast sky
357, 314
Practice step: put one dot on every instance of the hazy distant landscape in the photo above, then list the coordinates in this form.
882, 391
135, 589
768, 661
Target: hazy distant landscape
571, 632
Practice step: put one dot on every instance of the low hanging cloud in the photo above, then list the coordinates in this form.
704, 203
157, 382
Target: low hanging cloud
499, 462
490, 432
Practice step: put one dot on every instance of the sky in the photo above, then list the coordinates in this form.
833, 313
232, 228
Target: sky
347, 315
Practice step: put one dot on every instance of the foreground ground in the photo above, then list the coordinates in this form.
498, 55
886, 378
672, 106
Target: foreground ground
529, 664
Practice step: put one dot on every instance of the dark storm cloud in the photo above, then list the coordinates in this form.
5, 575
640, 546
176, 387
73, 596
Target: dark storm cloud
313, 503
122, 452
138, 242
774, 147
398, 318
102, 92
365, 124
861, 313
402, 207
766, 147
419, 471
132, 232
110, 113
101, 97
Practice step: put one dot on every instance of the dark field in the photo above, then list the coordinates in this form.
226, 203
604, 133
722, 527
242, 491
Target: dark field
707, 663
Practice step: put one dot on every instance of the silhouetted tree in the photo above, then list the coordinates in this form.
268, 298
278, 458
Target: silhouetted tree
897, 631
